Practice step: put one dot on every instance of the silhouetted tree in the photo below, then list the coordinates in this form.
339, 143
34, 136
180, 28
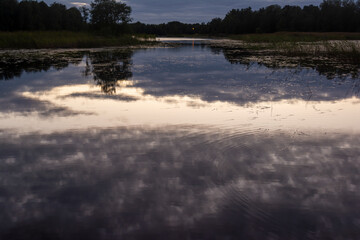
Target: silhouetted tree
73, 19
310, 18
85, 12
108, 15
33, 15
215, 26
331, 15
29, 16
8, 11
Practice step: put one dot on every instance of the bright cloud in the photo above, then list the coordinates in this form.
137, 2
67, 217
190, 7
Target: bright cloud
79, 4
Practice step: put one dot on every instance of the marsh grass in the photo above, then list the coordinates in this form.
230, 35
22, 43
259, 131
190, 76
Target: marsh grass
344, 50
348, 51
295, 37
333, 58
65, 39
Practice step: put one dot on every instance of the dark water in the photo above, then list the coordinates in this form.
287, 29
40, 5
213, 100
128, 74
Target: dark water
176, 143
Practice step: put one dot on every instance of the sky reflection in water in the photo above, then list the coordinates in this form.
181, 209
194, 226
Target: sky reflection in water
176, 143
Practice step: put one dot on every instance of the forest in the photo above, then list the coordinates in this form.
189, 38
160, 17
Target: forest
329, 16
32, 15
104, 15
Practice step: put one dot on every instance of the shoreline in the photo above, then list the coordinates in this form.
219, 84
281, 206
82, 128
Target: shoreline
67, 40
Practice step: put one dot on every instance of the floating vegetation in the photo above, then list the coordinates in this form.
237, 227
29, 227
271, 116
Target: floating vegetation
13, 63
106, 66
330, 58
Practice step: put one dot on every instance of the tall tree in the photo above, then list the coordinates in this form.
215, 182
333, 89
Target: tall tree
107, 15
8, 9
73, 19
84, 13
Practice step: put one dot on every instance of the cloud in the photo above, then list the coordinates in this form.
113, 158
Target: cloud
188, 11
196, 11
80, 4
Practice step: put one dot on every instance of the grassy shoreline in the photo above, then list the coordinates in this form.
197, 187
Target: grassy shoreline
295, 37
337, 45
66, 39
280, 36
344, 47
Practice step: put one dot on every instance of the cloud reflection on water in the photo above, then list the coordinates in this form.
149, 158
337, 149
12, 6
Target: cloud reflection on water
182, 85
177, 182
177, 144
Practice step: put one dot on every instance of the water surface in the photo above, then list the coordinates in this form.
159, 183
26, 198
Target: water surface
185, 142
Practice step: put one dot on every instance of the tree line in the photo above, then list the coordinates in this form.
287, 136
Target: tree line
32, 15
104, 16
330, 16
109, 16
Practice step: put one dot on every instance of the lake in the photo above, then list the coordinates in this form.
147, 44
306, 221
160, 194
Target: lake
182, 141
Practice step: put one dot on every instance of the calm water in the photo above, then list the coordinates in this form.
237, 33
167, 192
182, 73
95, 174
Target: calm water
184, 142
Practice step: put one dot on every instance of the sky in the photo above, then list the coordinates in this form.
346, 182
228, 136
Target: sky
188, 11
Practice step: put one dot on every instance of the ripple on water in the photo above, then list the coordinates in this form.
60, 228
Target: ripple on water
194, 181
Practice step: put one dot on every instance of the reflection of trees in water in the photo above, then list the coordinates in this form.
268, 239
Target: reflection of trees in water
329, 67
14, 64
108, 68
337, 69
112, 65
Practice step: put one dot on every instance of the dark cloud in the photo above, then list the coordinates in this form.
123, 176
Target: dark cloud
189, 11
14, 103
